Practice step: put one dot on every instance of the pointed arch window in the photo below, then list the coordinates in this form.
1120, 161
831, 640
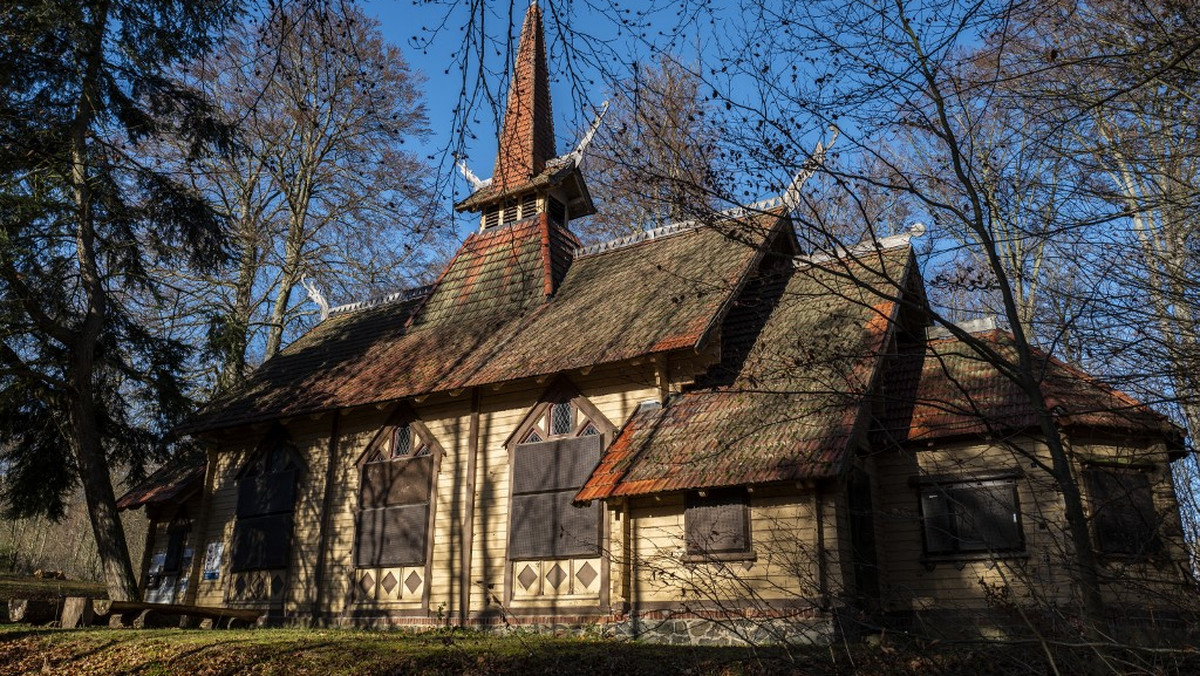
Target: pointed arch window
395, 485
266, 504
561, 418
561, 443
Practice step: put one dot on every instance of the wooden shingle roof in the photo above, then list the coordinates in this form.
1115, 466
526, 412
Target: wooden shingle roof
489, 319
173, 482
947, 390
800, 354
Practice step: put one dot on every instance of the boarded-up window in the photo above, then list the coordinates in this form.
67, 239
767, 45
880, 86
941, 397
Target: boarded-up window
394, 495
392, 536
546, 476
1124, 519
717, 522
266, 500
978, 516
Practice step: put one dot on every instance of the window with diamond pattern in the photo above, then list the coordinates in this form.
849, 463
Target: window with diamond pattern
394, 491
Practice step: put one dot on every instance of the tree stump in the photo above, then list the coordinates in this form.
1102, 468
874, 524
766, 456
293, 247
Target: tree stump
32, 611
77, 612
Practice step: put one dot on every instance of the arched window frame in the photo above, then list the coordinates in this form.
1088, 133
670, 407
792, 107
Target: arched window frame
266, 503
545, 421
535, 431
395, 493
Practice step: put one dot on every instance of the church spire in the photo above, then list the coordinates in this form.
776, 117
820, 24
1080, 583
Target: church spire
529, 178
527, 137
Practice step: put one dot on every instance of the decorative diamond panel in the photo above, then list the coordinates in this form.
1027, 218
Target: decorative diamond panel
586, 574
556, 576
527, 577
413, 582
259, 588
239, 587
367, 585
389, 582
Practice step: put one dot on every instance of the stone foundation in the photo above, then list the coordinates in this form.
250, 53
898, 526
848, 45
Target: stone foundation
672, 628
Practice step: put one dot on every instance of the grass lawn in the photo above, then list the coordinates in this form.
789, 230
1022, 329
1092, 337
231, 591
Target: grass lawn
297, 651
13, 586
26, 650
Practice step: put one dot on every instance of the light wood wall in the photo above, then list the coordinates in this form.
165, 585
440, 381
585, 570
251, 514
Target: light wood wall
791, 566
1043, 574
616, 391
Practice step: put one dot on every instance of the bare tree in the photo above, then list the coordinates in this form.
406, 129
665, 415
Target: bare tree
654, 159
324, 186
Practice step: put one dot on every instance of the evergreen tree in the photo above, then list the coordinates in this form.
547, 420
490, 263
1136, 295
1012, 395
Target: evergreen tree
83, 385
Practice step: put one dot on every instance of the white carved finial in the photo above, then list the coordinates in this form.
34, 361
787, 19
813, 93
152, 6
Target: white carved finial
791, 196
474, 181
314, 294
577, 154
916, 229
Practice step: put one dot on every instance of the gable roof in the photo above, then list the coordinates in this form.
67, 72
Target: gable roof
945, 389
173, 482
799, 356
488, 320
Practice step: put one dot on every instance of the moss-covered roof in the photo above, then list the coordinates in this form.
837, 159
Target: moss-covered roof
945, 388
512, 304
800, 354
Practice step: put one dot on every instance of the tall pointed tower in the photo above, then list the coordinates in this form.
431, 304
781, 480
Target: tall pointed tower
529, 179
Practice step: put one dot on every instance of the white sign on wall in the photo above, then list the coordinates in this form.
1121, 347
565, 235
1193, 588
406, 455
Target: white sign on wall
212, 560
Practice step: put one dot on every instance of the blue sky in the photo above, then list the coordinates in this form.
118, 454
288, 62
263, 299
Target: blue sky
431, 34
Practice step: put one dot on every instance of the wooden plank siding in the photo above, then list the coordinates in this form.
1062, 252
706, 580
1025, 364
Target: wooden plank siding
803, 555
615, 390
784, 570
1042, 573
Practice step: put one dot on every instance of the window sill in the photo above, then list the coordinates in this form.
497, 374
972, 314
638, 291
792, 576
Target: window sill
720, 557
960, 559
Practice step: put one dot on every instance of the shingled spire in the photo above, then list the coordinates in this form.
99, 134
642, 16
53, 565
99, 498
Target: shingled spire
527, 137
530, 179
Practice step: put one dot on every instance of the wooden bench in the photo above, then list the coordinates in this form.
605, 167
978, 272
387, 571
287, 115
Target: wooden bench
140, 614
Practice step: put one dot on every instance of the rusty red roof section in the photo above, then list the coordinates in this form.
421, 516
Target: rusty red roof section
800, 352
948, 389
488, 319
172, 482
527, 134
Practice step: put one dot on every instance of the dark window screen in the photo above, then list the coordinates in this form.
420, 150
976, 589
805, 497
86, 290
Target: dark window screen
717, 523
968, 517
265, 501
392, 536
261, 542
546, 476
1124, 519
393, 521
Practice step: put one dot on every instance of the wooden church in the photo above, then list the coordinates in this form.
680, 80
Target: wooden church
687, 434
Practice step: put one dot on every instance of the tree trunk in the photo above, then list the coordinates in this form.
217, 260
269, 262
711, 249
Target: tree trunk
89, 452
237, 321
290, 270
